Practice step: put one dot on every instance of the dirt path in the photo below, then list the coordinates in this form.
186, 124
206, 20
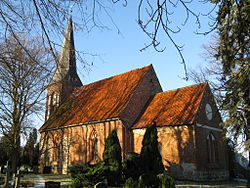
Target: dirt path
38, 180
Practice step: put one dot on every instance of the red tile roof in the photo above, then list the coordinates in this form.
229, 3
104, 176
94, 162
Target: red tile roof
101, 100
175, 107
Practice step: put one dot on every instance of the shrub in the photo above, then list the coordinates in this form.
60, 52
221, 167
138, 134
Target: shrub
165, 181
150, 155
148, 180
132, 167
88, 175
113, 160
96, 174
131, 183
78, 181
78, 169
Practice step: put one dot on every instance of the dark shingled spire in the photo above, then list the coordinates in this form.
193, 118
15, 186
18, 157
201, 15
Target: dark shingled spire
66, 65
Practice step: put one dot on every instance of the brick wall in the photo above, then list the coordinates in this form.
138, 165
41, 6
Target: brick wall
70, 146
177, 143
184, 153
148, 86
202, 135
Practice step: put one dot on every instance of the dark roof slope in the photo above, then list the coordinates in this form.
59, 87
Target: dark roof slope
66, 66
175, 107
101, 100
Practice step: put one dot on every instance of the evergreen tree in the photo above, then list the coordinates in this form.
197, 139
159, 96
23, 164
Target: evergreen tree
233, 52
132, 167
113, 159
150, 155
228, 71
31, 150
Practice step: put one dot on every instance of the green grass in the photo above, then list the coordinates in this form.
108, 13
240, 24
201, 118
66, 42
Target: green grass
212, 184
45, 176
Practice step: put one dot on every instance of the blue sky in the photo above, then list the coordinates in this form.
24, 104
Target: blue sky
118, 53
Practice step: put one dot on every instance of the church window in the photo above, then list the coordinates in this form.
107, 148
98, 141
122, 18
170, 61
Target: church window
49, 99
57, 99
94, 147
48, 107
51, 103
160, 148
54, 101
211, 148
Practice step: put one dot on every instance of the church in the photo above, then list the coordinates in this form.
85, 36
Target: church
79, 118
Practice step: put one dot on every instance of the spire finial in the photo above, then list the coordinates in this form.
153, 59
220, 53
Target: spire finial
70, 10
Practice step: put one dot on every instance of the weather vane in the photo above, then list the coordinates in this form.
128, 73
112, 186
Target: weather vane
71, 8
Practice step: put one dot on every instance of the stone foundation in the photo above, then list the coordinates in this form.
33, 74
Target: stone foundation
213, 175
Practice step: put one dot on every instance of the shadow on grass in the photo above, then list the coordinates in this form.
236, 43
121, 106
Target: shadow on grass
223, 184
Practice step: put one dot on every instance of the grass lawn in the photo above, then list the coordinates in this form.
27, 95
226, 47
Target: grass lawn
64, 179
48, 176
225, 184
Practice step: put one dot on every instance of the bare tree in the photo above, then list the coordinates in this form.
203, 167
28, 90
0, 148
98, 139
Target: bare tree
47, 19
210, 71
155, 18
22, 82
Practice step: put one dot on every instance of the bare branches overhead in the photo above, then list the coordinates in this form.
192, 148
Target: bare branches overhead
22, 80
46, 18
160, 17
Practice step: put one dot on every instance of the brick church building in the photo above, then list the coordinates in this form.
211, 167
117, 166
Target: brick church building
80, 117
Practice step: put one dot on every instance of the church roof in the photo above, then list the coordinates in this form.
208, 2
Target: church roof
101, 100
175, 107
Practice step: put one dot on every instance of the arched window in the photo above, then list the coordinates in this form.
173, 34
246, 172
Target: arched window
53, 102
94, 147
160, 148
54, 99
211, 148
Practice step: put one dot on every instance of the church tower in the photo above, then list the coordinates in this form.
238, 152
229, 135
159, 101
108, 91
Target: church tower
65, 78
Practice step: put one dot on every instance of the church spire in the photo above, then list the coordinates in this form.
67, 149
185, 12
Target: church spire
65, 78
66, 65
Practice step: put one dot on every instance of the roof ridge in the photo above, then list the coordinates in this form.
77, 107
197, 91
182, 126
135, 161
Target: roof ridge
204, 83
147, 66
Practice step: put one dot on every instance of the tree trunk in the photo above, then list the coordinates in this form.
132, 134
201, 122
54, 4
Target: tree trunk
17, 179
247, 113
12, 165
7, 176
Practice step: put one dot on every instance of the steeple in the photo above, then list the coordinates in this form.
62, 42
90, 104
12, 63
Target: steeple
66, 65
65, 78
